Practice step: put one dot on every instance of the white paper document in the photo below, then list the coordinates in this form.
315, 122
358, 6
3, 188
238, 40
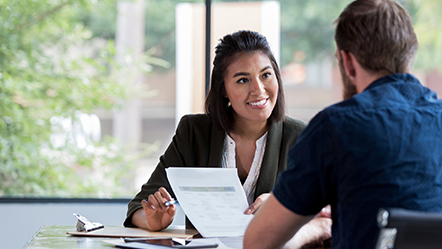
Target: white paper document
212, 198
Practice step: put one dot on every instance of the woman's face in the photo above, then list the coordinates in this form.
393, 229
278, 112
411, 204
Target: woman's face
251, 87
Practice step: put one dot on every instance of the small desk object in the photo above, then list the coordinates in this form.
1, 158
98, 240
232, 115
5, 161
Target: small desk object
84, 224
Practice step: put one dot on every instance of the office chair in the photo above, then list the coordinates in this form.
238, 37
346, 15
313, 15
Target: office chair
406, 229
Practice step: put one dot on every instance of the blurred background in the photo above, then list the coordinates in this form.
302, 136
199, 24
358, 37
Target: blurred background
91, 91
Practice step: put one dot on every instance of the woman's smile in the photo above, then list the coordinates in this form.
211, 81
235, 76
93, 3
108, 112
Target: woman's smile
251, 87
259, 104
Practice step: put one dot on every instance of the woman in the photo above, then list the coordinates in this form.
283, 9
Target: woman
244, 127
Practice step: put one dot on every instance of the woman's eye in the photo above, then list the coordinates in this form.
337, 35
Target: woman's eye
266, 75
242, 81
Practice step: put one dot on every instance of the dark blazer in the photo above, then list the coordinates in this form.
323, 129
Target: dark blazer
199, 143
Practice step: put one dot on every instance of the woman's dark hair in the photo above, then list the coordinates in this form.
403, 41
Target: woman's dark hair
226, 52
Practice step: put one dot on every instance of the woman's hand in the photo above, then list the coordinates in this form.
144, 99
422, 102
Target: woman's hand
258, 202
155, 215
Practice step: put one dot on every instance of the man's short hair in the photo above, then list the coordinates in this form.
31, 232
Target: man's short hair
379, 33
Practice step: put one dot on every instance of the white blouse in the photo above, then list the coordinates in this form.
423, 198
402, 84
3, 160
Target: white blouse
230, 162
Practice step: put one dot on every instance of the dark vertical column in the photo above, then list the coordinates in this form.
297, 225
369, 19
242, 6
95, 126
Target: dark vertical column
208, 33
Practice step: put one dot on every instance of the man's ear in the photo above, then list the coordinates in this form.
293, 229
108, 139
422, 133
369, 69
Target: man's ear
349, 61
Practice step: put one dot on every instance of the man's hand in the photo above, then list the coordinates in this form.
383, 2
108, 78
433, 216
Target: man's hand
314, 232
325, 212
272, 226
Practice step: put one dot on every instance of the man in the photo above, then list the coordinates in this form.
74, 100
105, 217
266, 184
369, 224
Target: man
380, 147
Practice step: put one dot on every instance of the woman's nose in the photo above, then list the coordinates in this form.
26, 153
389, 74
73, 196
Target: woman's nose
256, 87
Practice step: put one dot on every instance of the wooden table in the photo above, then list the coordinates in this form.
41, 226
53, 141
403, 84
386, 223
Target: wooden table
55, 237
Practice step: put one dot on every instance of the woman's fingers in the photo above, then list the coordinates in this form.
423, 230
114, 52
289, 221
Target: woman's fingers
252, 209
171, 210
165, 194
158, 199
258, 202
146, 205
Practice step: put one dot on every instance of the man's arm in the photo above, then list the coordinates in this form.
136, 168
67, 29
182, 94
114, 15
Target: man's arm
273, 225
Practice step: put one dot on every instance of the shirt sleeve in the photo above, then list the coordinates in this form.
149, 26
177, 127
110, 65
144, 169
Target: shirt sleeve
304, 186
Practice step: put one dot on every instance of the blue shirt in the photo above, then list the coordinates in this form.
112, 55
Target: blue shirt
381, 148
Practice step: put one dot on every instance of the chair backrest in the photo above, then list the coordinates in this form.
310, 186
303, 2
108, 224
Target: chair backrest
406, 229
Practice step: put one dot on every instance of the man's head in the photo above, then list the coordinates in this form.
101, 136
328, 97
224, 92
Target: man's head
379, 33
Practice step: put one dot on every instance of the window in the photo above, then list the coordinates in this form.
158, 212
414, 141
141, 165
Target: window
82, 117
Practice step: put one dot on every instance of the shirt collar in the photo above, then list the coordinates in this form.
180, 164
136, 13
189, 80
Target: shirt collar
398, 77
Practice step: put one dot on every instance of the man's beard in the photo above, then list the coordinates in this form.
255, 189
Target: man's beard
349, 89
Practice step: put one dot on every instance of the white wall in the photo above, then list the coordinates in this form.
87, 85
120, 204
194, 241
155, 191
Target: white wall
20, 221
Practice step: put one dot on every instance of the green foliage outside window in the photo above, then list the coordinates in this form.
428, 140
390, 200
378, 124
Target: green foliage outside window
46, 72
428, 20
